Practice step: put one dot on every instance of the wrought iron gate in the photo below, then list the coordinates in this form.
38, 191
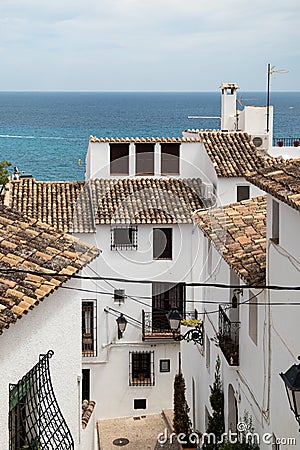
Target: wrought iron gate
35, 419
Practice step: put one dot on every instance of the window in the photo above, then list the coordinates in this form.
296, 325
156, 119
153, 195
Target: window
170, 158
89, 328
242, 193
144, 159
141, 369
86, 384
162, 243
164, 365
253, 318
119, 296
124, 238
275, 222
119, 159
139, 403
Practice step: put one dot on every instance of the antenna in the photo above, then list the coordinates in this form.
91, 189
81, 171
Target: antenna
271, 71
240, 101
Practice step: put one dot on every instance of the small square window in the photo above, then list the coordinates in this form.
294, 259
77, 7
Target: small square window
164, 365
242, 193
139, 403
124, 238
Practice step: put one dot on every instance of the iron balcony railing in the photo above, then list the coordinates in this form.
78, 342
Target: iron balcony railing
228, 338
286, 142
155, 323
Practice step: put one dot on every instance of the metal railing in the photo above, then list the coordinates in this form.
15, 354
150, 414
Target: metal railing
286, 142
155, 323
228, 338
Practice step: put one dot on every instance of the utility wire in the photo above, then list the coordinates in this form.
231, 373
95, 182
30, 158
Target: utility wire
126, 280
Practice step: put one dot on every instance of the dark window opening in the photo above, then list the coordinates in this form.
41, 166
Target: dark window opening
139, 403
86, 384
164, 297
242, 193
144, 154
170, 154
141, 369
164, 365
162, 243
124, 238
275, 222
89, 328
119, 159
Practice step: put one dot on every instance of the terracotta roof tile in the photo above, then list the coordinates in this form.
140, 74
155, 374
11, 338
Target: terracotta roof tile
232, 153
21, 291
228, 228
146, 200
87, 411
127, 200
70, 209
282, 180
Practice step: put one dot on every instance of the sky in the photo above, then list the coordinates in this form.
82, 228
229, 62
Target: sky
148, 45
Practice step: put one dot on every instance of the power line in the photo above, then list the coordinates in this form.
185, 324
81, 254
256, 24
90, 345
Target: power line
126, 280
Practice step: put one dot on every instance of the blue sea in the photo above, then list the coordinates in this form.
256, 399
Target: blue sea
46, 133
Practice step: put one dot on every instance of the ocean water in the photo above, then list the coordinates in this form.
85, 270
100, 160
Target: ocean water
45, 133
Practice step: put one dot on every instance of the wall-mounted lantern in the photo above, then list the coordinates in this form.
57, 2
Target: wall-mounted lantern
291, 380
195, 334
121, 322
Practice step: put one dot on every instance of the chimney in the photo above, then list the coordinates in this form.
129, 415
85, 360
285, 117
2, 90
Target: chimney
228, 114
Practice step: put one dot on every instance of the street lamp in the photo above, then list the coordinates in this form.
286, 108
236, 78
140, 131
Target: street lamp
195, 334
291, 380
121, 322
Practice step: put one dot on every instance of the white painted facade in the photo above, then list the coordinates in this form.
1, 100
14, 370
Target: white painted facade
254, 385
110, 368
53, 325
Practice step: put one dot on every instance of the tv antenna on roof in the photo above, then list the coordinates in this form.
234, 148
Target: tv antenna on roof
240, 100
271, 71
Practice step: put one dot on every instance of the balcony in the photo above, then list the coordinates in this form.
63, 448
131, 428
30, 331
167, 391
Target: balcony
286, 142
155, 324
228, 338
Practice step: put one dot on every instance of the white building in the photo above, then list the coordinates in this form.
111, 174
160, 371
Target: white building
138, 203
40, 361
282, 184
234, 253
253, 330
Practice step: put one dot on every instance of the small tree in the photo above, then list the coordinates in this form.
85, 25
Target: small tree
4, 175
216, 420
247, 439
181, 421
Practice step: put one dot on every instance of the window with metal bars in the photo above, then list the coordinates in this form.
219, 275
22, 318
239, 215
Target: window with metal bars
89, 328
141, 369
35, 419
123, 238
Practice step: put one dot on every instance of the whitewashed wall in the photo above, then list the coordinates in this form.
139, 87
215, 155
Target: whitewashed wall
191, 160
227, 189
53, 325
110, 369
249, 379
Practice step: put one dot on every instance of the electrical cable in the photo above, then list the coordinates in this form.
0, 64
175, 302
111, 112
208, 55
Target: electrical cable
127, 280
